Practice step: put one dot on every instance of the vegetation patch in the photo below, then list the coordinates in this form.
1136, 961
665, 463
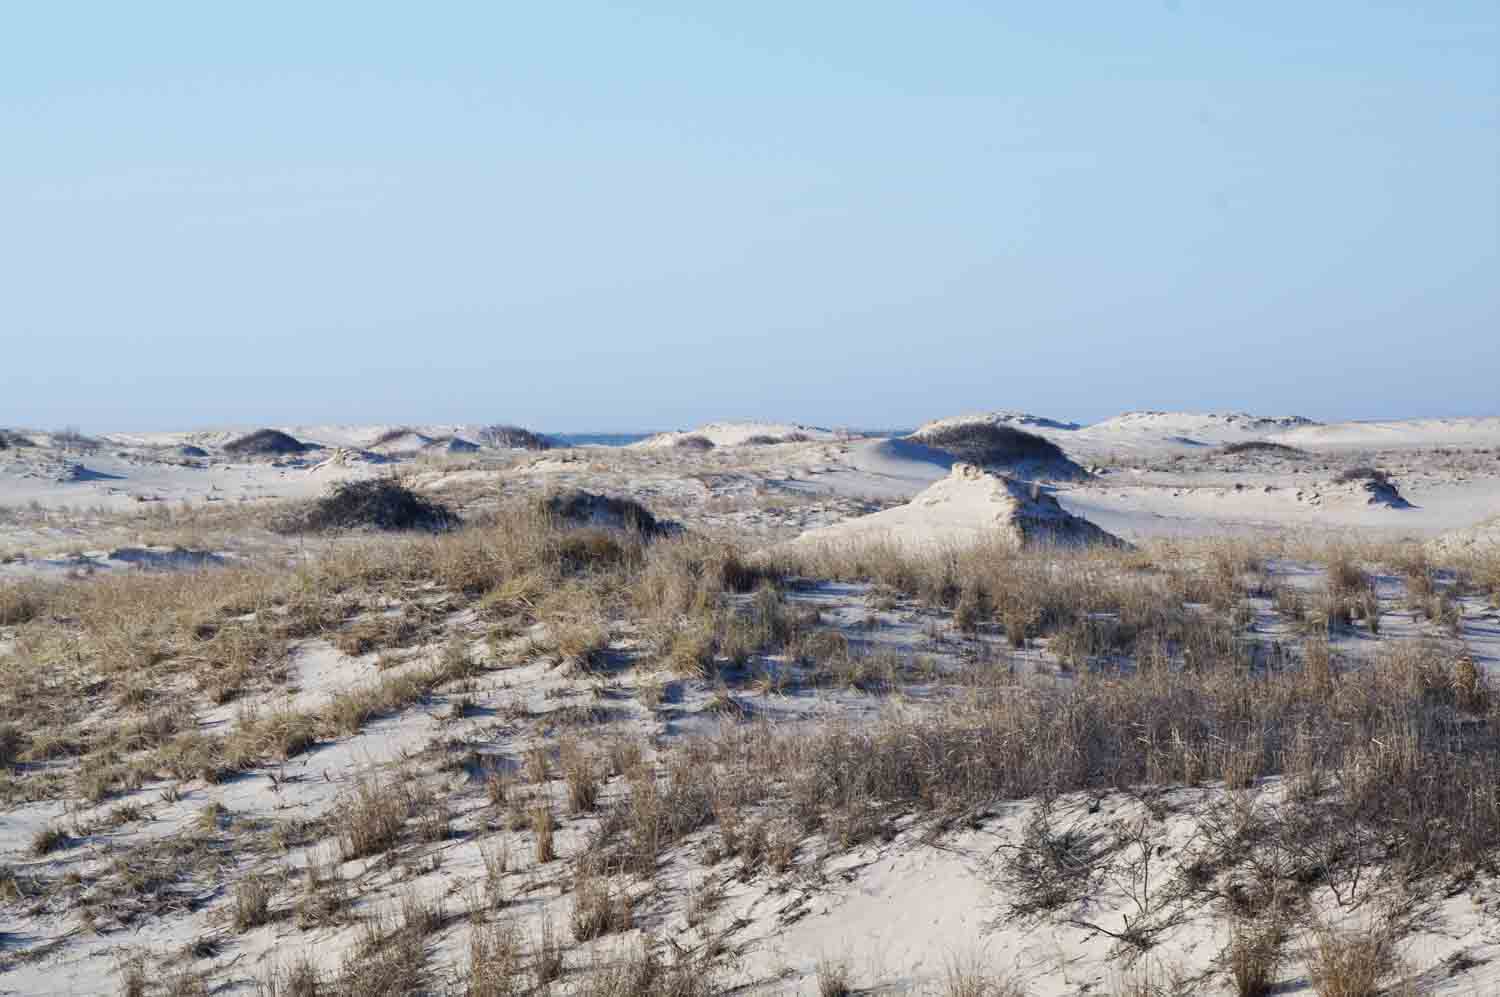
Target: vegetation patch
988, 444
503, 437
266, 443
375, 504
580, 508
1263, 447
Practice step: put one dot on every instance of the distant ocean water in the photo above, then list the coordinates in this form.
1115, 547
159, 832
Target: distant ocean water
598, 439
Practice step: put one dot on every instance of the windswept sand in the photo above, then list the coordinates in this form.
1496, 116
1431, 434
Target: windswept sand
899, 908
967, 507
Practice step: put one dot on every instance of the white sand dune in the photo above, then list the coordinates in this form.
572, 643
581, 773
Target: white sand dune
1392, 434
406, 444
1152, 434
1481, 538
1003, 417
907, 460
733, 434
967, 506
881, 469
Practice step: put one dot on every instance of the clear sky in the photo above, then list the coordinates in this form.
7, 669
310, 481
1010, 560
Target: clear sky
610, 216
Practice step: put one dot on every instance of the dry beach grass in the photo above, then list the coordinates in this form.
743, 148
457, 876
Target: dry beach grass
523, 755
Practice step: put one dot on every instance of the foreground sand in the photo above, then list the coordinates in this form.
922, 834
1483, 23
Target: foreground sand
375, 668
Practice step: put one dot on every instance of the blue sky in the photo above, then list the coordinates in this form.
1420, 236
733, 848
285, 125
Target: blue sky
580, 216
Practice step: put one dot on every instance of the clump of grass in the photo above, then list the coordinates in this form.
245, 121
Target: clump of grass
495, 961
1469, 685
300, 979
835, 979
252, 902
543, 826
547, 954
372, 817
1350, 964
48, 840
582, 775
598, 907
1255, 954
20, 602
971, 979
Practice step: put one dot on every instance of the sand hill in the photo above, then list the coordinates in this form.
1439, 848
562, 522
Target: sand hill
1003, 417
969, 505
733, 434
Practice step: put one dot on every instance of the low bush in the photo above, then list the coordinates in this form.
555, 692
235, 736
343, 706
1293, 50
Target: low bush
1263, 446
990, 444
503, 437
372, 503
265, 442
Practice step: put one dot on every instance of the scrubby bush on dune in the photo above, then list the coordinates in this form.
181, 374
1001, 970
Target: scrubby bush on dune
766, 439
374, 503
580, 508
265, 442
504, 437
693, 441
393, 434
986, 443
1265, 447
1362, 474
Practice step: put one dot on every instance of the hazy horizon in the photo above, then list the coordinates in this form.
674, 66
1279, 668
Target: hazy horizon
592, 219
644, 431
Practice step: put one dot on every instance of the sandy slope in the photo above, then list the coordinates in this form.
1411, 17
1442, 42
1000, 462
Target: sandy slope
897, 911
1005, 417
967, 506
1157, 433
732, 434
1404, 434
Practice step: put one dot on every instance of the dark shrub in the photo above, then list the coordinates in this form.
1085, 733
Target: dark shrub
513, 438
1265, 447
580, 508
374, 503
265, 442
693, 441
1362, 474
394, 434
987, 443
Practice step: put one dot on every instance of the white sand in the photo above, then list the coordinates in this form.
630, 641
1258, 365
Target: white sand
733, 434
897, 911
966, 507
